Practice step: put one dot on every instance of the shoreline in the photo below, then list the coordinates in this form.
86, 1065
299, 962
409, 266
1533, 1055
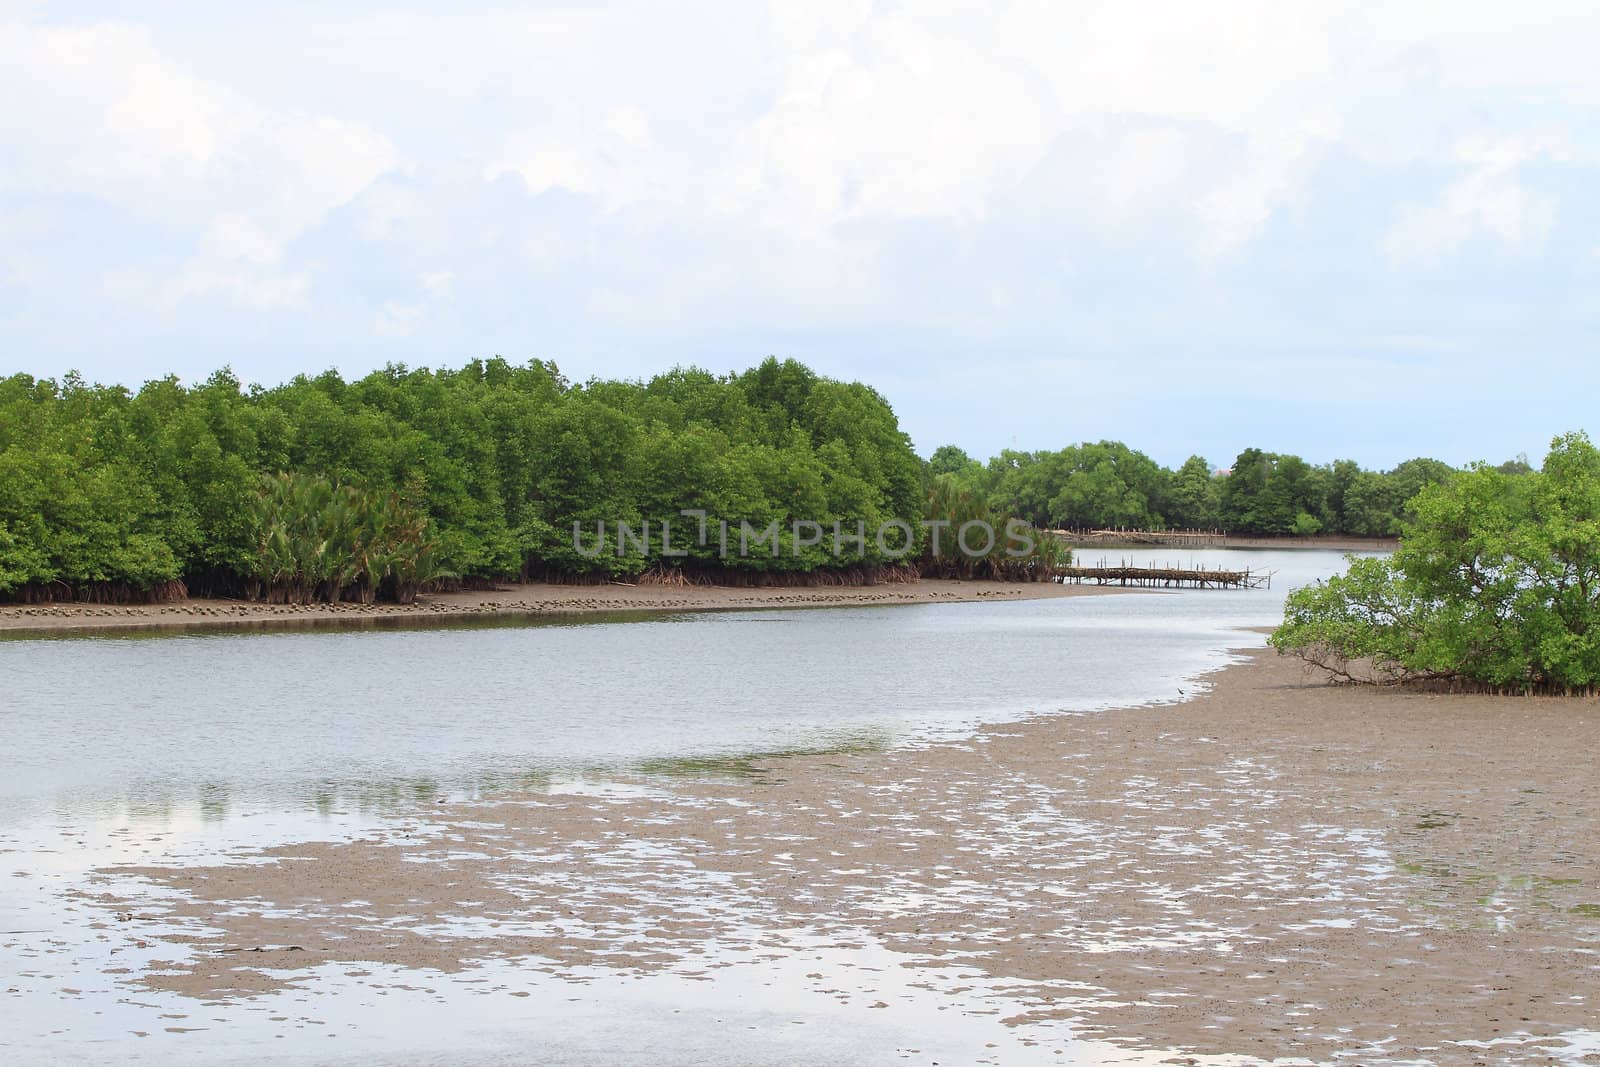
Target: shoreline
1273, 868
1333, 543
535, 600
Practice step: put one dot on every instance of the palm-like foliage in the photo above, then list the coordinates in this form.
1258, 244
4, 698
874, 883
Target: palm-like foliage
997, 544
315, 540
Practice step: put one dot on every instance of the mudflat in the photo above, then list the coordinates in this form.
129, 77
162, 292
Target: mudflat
513, 601
1276, 868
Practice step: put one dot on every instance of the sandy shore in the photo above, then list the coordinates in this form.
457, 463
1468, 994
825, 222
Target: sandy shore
1276, 869
514, 601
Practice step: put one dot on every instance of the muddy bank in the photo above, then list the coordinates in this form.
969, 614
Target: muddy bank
1276, 868
1330, 543
512, 601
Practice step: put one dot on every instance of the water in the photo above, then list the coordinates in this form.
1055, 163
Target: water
184, 748
222, 722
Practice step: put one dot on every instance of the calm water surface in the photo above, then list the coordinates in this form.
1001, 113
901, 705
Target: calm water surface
97, 725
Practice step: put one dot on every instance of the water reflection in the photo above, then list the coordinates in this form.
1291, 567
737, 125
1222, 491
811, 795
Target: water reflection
403, 711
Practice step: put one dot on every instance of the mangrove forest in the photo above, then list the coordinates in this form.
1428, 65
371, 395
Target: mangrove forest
327, 489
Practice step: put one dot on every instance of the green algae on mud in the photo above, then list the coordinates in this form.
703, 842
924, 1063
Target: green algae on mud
752, 766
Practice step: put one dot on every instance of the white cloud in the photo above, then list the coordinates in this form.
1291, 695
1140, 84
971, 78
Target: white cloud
402, 319
1234, 211
1487, 201
616, 160
109, 116
384, 207
892, 120
259, 292
233, 236
1141, 167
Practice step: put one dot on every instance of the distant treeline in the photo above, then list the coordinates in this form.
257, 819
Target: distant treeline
326, 489
1111, 486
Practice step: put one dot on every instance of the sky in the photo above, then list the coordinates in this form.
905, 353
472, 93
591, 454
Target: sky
1364, 230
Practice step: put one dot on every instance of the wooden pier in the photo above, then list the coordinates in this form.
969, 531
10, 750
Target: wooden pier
1164, 577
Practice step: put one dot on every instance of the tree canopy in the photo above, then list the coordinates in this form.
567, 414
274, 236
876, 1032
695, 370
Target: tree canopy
107, 493
484, 472
1496, 584
1108, 485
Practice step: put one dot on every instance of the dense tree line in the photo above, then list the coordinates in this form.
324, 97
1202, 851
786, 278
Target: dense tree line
1107, 485
1496, 585
328, 489
481, 472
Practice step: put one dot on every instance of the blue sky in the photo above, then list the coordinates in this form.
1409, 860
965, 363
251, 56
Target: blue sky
1363, 230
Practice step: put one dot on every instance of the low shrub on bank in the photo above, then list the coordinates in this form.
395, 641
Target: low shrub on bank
1495, 585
